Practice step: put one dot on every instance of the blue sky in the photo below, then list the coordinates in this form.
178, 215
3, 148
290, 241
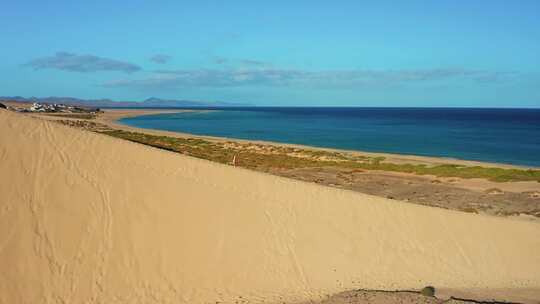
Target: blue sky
335, 53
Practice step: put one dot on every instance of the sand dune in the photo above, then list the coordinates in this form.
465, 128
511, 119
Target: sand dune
85, 218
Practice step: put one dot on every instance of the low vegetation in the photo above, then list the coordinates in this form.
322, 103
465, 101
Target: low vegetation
267, 157
428, 291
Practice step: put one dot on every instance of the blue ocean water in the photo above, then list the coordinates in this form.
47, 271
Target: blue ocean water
495, 135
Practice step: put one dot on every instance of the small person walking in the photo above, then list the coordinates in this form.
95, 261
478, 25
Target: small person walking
234, 160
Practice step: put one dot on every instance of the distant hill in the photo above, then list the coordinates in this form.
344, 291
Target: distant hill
152, 102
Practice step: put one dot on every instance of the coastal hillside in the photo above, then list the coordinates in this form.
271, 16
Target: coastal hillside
88, 218
151, 102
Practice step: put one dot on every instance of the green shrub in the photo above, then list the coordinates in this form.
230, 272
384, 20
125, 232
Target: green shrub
428, 291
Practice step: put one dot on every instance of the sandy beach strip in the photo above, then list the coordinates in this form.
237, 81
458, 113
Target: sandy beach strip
86, 218
111, 117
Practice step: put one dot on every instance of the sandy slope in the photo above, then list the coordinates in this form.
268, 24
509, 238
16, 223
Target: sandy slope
85, 218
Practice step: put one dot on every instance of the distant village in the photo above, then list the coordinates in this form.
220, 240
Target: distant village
50, 108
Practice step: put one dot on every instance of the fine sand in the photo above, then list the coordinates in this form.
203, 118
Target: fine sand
475, 195
86, 218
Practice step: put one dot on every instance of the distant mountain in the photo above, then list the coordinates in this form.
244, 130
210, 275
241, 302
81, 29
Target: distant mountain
152, 102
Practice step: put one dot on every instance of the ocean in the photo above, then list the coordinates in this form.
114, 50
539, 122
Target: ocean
510, 136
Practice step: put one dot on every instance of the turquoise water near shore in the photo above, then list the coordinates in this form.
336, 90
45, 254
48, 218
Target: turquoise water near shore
509, 136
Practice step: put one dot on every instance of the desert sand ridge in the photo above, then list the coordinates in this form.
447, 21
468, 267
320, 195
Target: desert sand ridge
86, 218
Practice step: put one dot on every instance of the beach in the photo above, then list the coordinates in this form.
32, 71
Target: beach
464, 191
112, 116
87, 218
466, 134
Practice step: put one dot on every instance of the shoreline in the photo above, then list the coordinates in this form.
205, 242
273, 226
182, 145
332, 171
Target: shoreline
111, 117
